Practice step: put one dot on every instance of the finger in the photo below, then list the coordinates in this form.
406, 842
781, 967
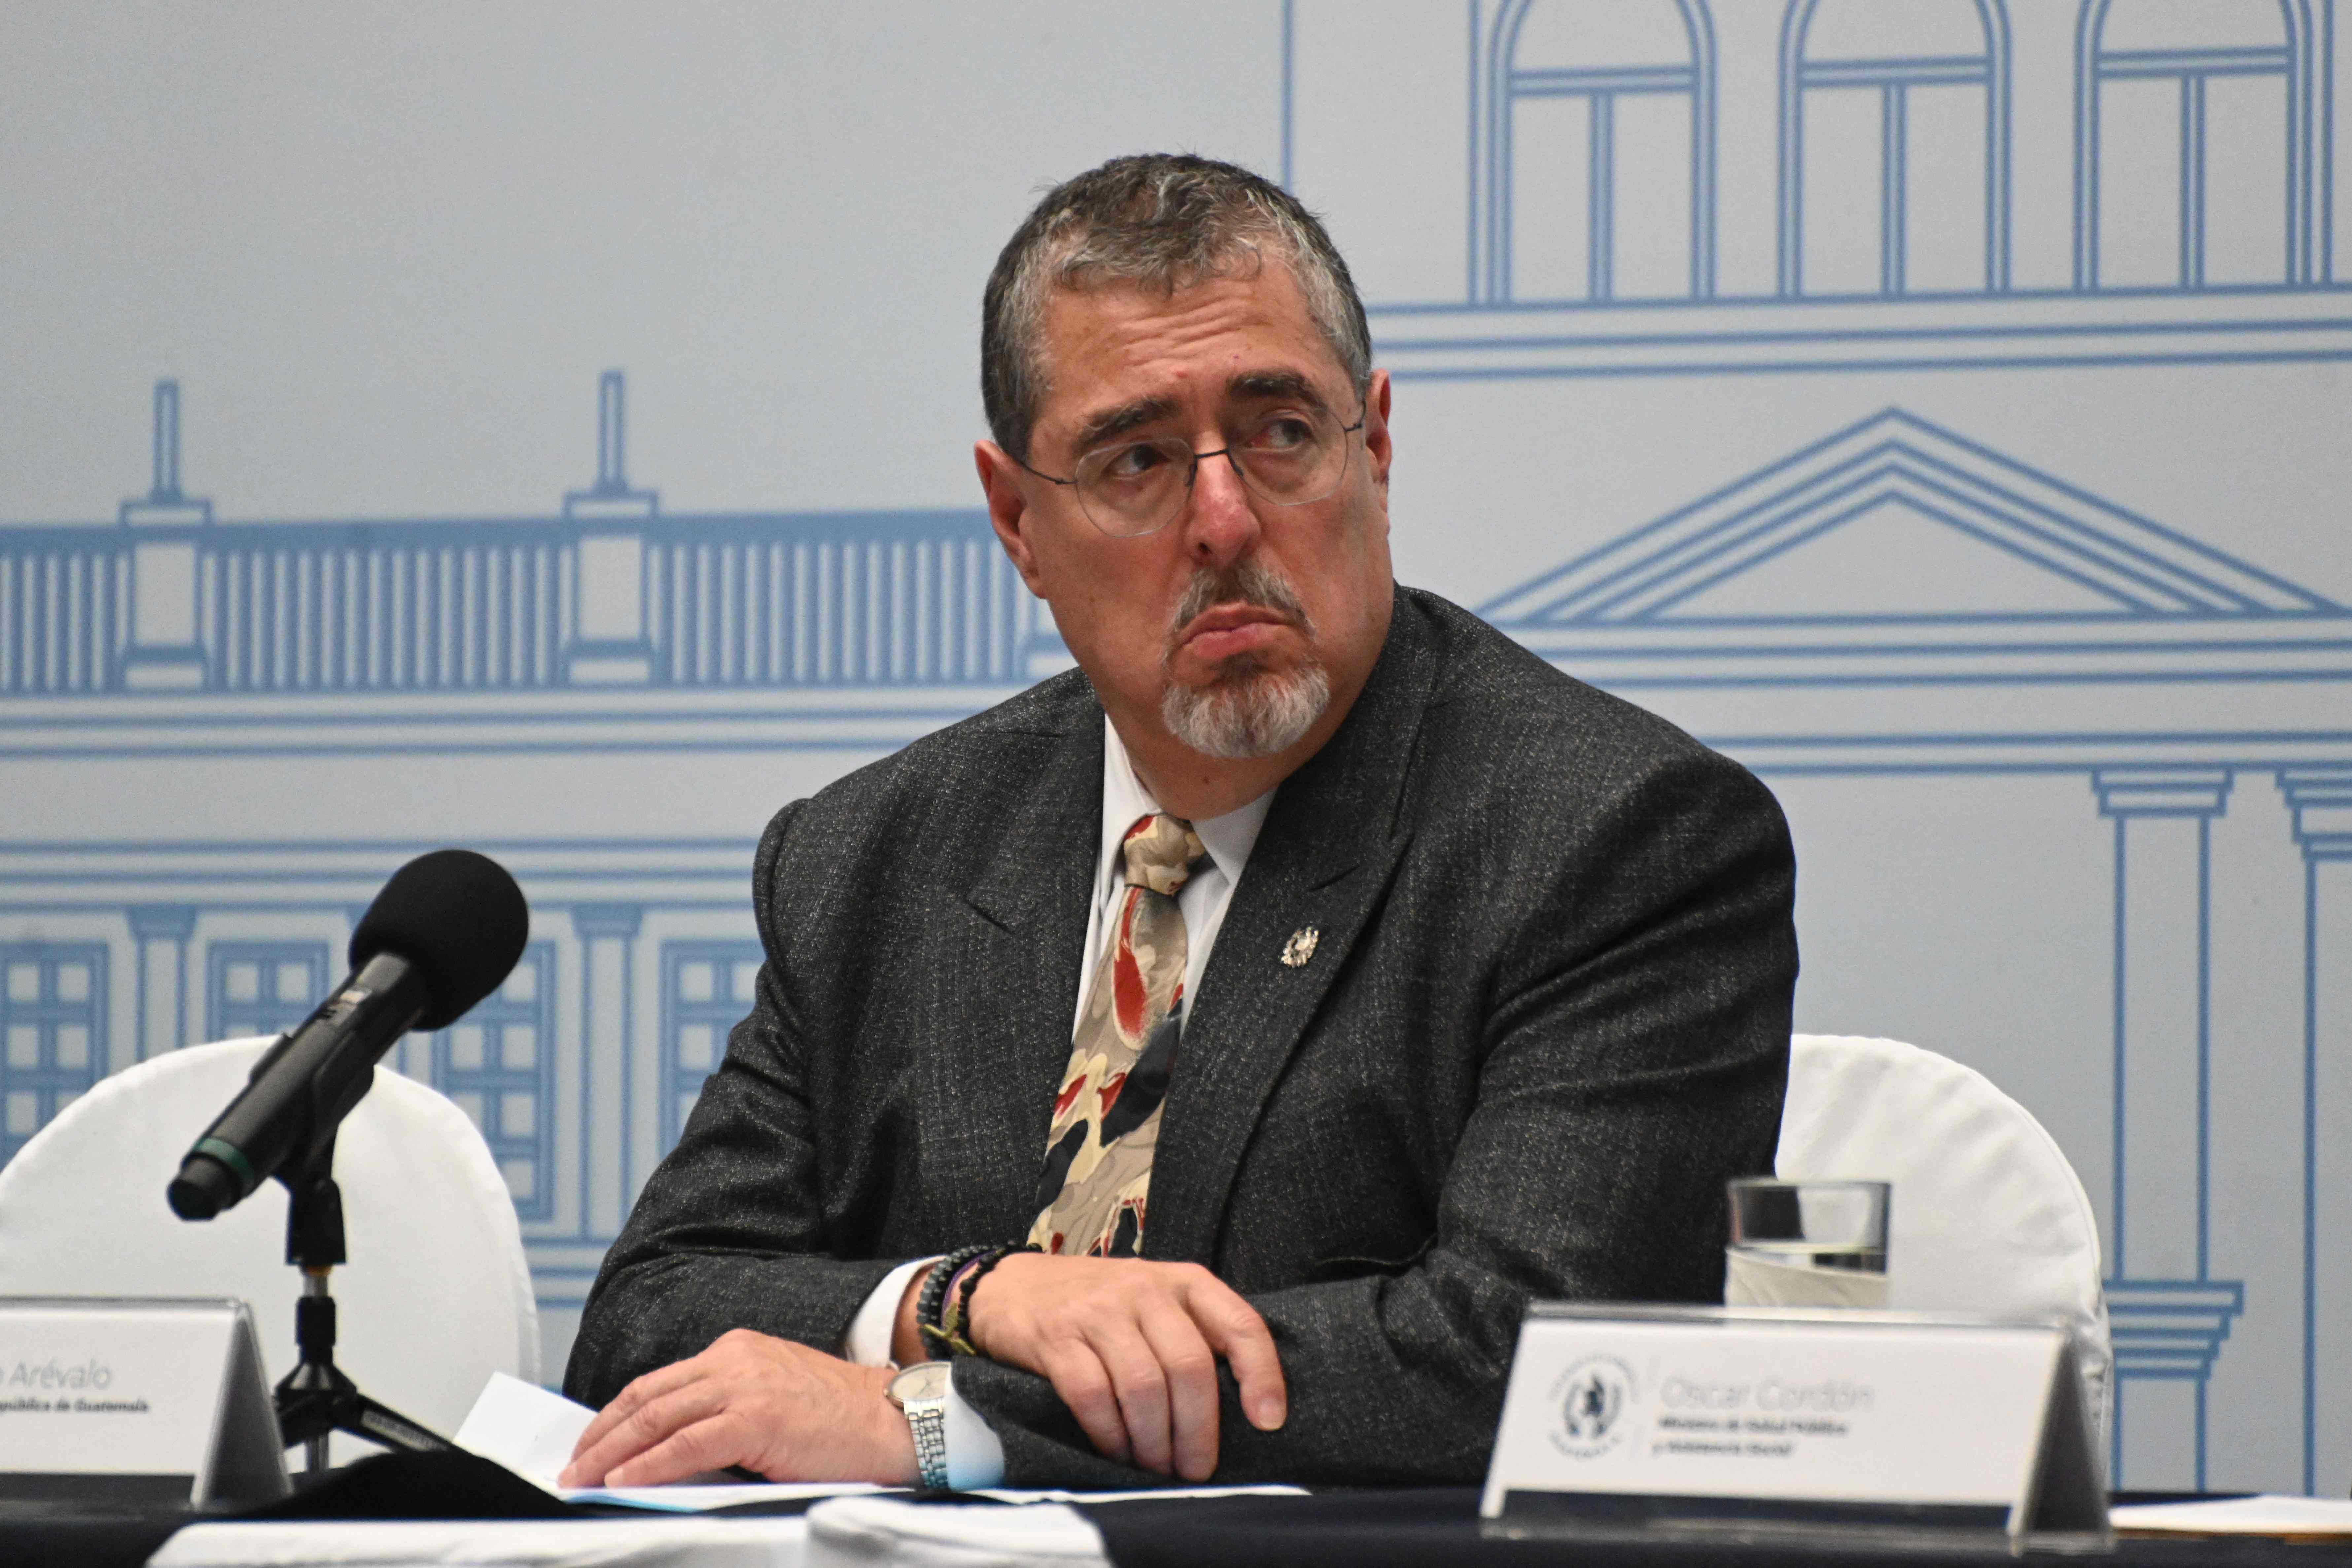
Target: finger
1235, 1332
1141, 1385
646, 1428
710, 1443
1190, 1367
1078, 1377
625, 1403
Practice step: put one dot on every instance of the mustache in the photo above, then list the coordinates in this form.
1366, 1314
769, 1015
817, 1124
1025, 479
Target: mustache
1245, 582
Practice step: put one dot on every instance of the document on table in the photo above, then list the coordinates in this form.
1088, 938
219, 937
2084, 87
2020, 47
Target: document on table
2299, 1517
530, 1430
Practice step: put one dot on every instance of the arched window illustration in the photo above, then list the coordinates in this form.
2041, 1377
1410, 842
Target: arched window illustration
1894, 147
1595, 133
2163, 92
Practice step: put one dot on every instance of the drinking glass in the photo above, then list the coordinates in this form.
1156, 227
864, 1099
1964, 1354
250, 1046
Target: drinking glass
1807, 1244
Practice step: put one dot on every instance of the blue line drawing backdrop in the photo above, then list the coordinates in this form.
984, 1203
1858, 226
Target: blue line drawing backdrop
1933, 402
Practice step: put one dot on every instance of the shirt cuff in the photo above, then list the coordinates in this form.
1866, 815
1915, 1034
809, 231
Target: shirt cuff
975, 1456
868, 1344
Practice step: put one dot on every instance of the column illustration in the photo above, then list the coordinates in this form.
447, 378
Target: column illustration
2169, 1316
610, 642
161, 933
2321, 800
166, 643
608, 934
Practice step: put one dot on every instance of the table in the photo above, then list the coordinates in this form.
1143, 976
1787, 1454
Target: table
1403, 1529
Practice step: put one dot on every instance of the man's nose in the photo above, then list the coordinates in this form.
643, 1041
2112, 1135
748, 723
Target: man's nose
1220, 524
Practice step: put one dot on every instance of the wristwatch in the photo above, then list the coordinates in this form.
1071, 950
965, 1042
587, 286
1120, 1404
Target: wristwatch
921, 1392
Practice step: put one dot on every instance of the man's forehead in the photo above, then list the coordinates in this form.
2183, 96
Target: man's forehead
1118, 349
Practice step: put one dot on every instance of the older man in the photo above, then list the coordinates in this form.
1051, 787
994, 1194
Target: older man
1215, 1048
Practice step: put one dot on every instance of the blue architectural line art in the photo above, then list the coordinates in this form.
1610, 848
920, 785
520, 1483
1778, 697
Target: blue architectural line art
1903, 222
2136, 566
1504, 81
2289, 43
52, 1032
610, 592
2147, 651
1810, 64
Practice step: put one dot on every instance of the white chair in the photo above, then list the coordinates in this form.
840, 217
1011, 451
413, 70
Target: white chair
436, 1295
1986, 1215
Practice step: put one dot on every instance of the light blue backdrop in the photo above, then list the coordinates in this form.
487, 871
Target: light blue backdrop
1941, 404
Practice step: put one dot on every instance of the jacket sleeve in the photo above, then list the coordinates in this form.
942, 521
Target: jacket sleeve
1634, 1056
731, 1231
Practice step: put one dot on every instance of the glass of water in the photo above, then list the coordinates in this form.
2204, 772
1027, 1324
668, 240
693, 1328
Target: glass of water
1807, 1244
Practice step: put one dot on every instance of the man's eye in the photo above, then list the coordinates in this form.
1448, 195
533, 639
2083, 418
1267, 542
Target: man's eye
1283, 433
1133, 462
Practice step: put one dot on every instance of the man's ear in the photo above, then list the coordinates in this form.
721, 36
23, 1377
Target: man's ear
1379, 447
1008, 510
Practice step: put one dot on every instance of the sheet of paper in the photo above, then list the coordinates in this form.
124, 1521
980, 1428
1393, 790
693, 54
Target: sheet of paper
2268, 1515
527, 1428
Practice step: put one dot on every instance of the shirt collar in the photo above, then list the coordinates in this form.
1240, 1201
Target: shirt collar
1228, 838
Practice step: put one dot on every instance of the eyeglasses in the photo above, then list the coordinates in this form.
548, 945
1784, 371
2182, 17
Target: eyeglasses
1289, 457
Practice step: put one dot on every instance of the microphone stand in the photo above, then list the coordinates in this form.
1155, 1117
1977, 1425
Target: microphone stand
316, 1398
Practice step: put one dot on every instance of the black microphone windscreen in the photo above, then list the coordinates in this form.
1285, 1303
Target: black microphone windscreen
458, 918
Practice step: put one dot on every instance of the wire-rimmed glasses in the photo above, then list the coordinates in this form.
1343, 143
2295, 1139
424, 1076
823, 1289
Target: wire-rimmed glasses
1131, 488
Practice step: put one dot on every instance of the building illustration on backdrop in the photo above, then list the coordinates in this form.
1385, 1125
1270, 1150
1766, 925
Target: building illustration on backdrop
1890, 601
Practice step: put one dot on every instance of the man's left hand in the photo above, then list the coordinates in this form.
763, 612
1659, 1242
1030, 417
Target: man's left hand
788, 1412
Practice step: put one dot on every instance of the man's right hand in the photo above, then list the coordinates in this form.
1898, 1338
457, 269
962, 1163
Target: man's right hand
1131, 1346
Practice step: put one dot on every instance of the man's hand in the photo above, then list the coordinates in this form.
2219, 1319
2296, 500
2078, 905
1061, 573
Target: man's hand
1132, 1347
788, 1412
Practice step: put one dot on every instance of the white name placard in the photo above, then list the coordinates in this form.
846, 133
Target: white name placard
134, 1401
1648, 1419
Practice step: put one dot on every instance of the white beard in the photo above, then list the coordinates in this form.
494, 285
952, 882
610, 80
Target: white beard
1252, 715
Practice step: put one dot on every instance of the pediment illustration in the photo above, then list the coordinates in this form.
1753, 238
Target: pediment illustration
1898, 518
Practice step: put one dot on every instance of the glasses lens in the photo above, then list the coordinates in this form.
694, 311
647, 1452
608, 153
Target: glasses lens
1134, 487
1289, 457
1293, 457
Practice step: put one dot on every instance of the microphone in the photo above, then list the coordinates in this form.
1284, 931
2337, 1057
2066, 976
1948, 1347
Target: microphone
444, 934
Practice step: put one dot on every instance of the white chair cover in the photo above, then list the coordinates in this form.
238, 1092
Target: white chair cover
1986, 1215
436, 1295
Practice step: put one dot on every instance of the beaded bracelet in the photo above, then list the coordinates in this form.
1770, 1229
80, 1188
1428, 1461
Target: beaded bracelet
966, 1279
929, 1304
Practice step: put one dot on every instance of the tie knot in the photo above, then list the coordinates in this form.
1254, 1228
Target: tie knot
1159, 851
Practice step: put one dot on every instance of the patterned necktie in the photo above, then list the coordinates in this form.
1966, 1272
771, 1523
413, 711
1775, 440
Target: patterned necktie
1107, 1116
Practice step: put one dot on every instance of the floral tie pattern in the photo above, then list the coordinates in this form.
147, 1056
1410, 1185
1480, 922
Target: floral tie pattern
1105, 1127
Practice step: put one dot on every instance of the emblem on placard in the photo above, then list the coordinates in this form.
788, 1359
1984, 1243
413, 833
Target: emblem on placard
1300, 947
1591, 1398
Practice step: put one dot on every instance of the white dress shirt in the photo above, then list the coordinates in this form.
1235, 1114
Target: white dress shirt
975, 1458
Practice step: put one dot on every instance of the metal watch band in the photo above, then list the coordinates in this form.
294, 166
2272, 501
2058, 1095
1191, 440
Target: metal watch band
927, 1421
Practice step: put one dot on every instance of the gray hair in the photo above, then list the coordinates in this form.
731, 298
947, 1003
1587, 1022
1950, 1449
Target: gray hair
1159, 221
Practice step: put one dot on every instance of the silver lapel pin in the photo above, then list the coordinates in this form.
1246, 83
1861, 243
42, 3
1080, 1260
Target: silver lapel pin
1300, 947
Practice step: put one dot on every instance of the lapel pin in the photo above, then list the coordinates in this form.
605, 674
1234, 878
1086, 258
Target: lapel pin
1300, 947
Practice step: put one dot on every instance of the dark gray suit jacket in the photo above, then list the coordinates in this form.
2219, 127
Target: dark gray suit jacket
1547, 1018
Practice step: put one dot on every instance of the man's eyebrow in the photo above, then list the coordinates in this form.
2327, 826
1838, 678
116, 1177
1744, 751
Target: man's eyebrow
1115, 422
1286, 386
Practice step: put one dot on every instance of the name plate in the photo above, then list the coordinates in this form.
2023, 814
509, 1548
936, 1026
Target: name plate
129, 1402
1627, 1420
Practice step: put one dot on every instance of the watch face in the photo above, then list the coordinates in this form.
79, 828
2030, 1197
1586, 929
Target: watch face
924, 1380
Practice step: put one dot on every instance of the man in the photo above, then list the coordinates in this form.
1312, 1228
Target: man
1314, 977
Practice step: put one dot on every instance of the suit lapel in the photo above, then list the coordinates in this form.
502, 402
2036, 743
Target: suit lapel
1025, 921
1331, 841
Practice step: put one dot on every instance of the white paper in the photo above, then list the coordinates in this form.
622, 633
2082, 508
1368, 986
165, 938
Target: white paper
529, 1429
2268, 1515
